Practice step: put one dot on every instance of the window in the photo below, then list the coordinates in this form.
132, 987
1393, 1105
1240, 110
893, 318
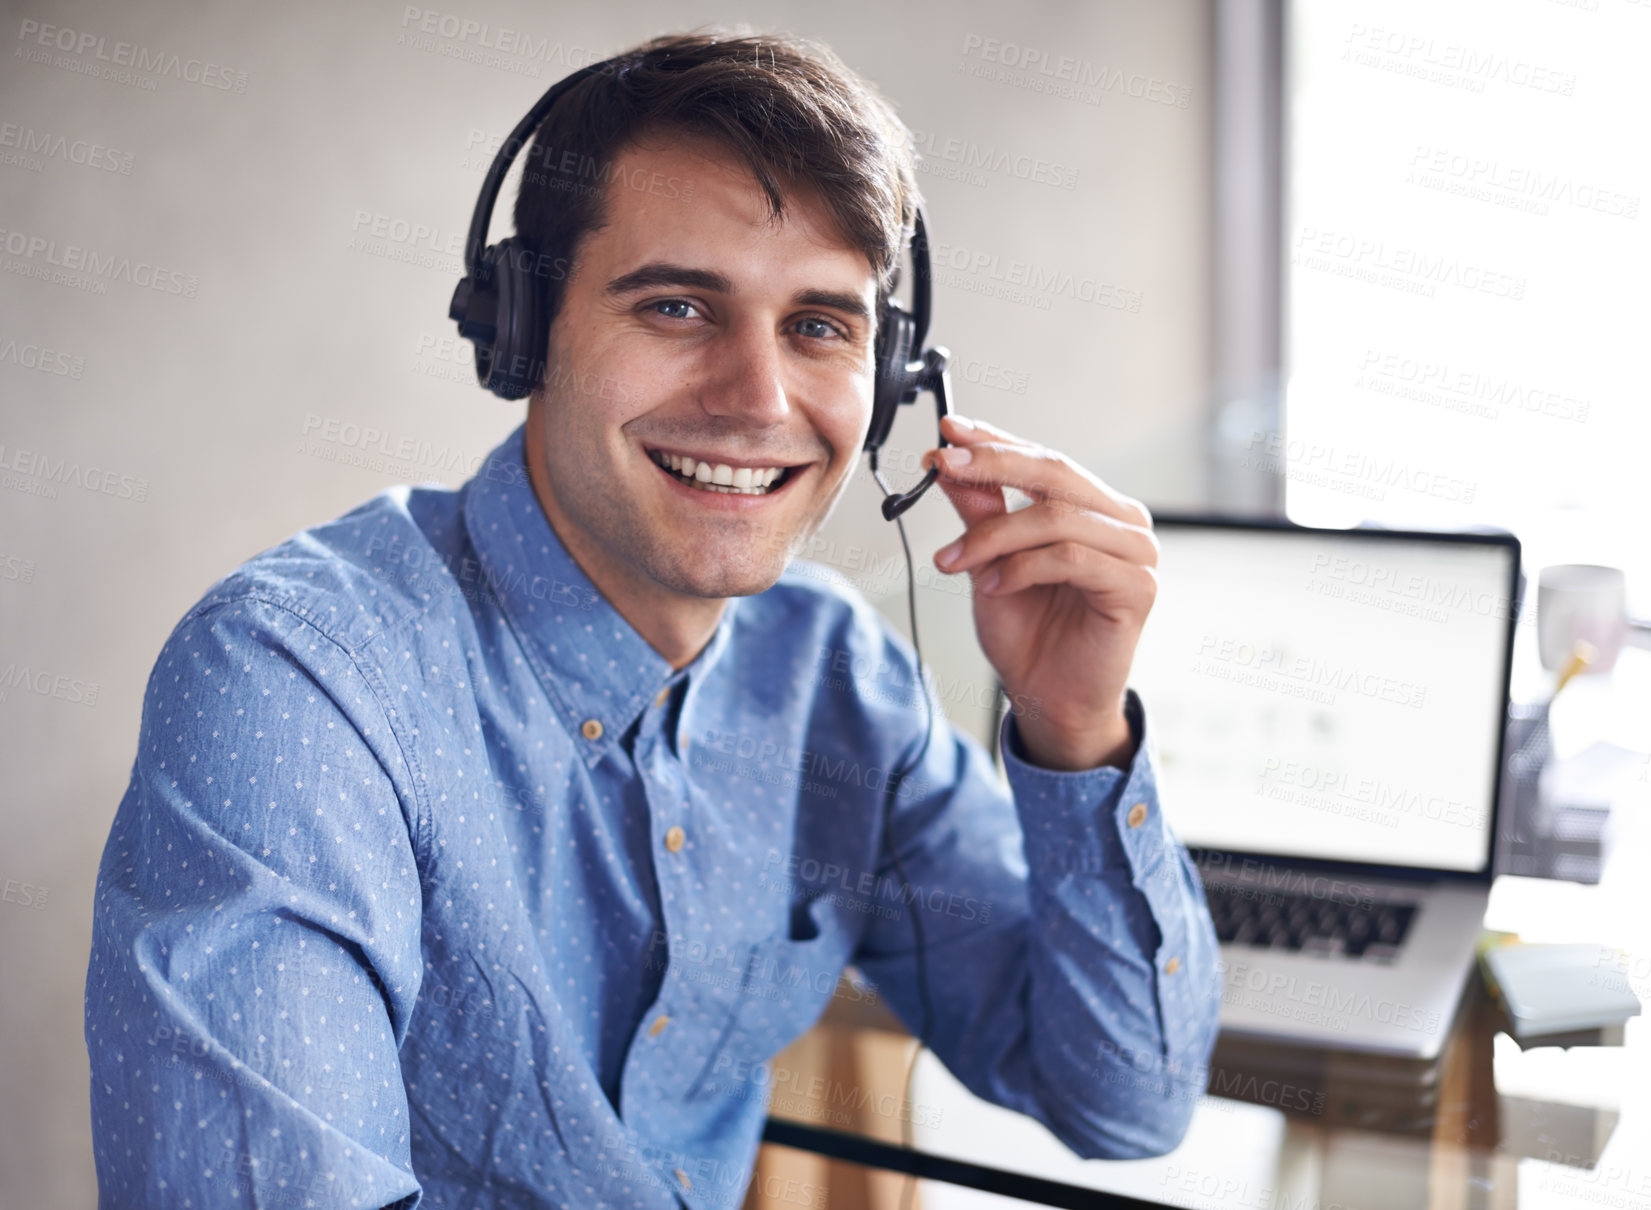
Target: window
1466, 251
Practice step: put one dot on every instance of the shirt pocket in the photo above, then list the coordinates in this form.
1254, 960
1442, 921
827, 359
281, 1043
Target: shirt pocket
788, 979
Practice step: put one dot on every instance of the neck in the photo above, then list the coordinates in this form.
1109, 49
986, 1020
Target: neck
674, 625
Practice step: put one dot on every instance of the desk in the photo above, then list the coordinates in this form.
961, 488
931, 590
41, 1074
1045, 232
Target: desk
1495, 1126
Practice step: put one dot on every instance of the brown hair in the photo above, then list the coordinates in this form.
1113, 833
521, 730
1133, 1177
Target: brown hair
788, 108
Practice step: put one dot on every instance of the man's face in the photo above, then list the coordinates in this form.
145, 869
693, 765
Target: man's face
699, 328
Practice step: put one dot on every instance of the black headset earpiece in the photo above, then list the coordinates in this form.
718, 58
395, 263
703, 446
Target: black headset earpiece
901, 375
501, 307
500, 303
506, 319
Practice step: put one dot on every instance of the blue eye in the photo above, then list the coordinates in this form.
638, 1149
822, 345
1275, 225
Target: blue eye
674, 302
821, 327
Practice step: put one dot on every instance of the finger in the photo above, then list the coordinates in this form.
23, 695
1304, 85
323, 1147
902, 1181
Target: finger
973, 504
1026, 528
1041, 473
1129, 586
972, 429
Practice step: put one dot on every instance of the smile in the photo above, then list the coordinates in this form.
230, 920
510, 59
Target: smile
722, 477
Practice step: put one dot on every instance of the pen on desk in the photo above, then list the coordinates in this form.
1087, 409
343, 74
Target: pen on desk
1582, 654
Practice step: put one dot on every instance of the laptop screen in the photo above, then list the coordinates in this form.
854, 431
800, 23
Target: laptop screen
1329, 694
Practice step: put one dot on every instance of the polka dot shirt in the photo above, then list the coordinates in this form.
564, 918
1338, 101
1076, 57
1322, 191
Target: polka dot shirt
434, 884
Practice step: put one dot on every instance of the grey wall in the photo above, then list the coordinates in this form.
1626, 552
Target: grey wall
153, 439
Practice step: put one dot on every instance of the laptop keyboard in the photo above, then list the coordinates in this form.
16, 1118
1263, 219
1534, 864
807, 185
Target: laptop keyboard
1278, 920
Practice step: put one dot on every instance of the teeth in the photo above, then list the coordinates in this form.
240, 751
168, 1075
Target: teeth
721, 477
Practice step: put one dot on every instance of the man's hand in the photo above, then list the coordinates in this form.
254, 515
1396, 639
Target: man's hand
1062, 588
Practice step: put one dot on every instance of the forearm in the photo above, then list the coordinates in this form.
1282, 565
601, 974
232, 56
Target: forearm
1123, 988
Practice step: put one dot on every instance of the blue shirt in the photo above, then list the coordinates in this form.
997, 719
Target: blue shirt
434, 884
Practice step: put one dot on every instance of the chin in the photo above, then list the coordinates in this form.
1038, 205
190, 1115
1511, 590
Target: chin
738, 578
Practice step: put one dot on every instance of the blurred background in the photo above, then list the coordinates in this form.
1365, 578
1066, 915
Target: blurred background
1344, 261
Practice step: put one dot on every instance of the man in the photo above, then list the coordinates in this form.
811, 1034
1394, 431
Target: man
483, 844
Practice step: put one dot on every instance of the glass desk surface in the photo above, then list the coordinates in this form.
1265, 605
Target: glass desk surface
1487, 1124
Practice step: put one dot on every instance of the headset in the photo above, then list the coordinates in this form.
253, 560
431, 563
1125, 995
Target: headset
501, 306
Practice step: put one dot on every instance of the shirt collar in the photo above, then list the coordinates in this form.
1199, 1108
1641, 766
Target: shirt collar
599, 673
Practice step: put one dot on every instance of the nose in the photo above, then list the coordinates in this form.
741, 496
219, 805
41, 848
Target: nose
745, 377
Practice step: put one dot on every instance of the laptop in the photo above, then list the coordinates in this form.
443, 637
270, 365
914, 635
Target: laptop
1329, 708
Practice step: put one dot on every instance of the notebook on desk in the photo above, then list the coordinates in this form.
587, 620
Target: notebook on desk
1329, 710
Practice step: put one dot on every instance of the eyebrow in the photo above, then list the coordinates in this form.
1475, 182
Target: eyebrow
658, 274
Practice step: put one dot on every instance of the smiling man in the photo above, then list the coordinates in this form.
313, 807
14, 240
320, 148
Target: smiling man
483, 845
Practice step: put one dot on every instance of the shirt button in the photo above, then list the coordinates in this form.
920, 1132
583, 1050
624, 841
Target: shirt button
663, 694
1137, 815
674, 839
660, 1022
591, 728
1173, 965
683, 1177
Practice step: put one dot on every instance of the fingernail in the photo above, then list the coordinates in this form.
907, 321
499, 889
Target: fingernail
947, 554
962, 422
956, 456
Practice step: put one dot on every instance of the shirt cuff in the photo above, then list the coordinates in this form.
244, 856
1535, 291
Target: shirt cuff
1090, 819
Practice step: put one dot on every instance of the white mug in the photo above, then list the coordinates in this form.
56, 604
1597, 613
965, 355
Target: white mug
1582, 601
